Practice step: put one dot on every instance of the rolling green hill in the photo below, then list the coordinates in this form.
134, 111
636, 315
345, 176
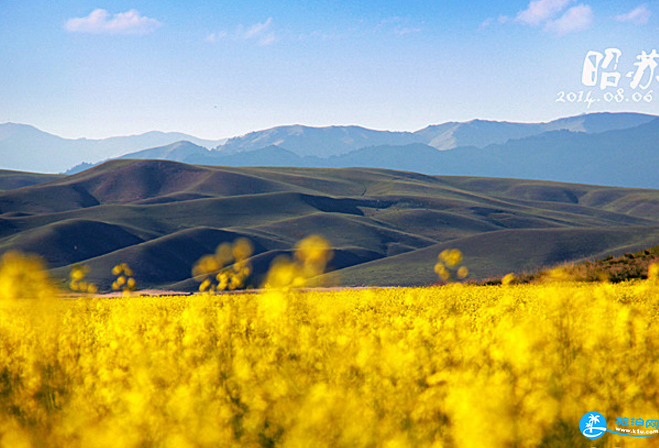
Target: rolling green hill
11, 180
386, 227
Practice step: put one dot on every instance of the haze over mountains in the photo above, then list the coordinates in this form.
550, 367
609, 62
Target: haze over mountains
556, 150
600, 149
330, 141
26, 148
385, 227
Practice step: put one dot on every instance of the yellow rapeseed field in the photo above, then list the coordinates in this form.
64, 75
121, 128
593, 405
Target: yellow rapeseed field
451, 366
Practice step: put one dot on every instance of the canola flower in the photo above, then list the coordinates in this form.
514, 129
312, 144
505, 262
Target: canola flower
24, 277
309, 261
653, 272
448, 267
227, 269
125, 280
509, 279
77, 282
453, 366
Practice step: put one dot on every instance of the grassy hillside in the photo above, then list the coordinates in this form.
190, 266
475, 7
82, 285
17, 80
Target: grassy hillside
386, 227
615, 269
11, 180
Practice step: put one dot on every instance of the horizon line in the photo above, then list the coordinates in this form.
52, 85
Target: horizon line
317, 127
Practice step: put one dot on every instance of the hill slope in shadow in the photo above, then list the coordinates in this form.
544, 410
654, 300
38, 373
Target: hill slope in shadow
386, 227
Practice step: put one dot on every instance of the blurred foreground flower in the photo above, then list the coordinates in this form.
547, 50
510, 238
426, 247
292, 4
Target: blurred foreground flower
448, 267
125, 280
24, 276
310, 260
77, 280
227, 269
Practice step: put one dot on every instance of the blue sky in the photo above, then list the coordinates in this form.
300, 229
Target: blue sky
215, 69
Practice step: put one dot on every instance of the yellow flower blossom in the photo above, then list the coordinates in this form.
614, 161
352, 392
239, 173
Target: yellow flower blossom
455, 366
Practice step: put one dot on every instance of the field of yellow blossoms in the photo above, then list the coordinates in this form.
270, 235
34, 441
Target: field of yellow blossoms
450, 366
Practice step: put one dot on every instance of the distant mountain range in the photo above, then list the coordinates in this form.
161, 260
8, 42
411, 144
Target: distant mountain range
330, 141
385, 227
597, 149
476, 147
26, 148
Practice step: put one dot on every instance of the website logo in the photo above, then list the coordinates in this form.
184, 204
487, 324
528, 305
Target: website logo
592, 425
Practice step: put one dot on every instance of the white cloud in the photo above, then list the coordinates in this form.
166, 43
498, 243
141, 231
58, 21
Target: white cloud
545, 12
214, 37
640, 15
318, 34
540, 11
267, 39
577, 18
101, 21
261, 33
403, 31
257, 30
400, 26
487, 22
389, 21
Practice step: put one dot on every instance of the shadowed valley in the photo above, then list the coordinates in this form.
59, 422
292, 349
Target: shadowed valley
386, 227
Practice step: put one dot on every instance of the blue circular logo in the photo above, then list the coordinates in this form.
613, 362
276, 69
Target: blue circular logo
592, 425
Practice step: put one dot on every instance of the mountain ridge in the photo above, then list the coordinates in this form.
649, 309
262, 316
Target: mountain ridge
626, 157
48, 153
